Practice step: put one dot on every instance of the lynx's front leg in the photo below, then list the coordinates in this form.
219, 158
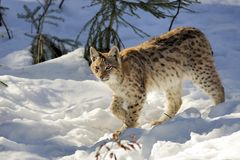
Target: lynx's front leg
117, 108
174, 101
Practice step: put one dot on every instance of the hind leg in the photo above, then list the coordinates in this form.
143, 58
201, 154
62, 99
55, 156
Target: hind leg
209, 81
174, 101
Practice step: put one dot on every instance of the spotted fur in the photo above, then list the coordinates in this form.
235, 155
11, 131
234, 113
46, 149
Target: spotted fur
162, 62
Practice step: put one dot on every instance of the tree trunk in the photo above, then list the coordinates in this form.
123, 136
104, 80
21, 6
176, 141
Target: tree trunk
0, 15
112, 17
0, 19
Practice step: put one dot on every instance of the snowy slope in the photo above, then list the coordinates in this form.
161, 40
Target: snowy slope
58, 110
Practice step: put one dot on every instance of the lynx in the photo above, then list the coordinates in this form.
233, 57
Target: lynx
160, 63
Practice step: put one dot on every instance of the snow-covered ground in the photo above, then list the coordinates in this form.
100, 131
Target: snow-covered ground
58, 110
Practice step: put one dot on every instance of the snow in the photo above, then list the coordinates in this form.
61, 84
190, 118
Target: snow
215, 148
225, 2
58, 110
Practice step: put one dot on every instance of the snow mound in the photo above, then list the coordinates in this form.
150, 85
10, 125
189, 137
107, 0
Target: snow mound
71, 66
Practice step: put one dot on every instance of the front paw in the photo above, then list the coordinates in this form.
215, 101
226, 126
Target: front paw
165, 117
118, 132
156, 122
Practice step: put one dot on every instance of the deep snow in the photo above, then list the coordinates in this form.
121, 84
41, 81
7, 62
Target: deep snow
58, 110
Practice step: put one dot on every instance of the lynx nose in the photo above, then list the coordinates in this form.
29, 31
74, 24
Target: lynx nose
101, 77
104, 78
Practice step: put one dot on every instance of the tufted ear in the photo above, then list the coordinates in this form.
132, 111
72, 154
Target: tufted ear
93, 54
113, 52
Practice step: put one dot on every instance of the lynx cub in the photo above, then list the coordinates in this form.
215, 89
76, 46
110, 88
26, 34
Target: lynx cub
162, 62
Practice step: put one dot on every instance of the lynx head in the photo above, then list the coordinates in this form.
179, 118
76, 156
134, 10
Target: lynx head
105, 66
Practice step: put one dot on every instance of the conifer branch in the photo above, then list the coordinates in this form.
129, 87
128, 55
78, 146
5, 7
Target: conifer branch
103, 27
61, 4
45, 46
175, 16
3, 84
2, 21
6, 27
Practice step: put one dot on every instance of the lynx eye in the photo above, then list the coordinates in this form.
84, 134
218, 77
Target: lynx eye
108, 67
